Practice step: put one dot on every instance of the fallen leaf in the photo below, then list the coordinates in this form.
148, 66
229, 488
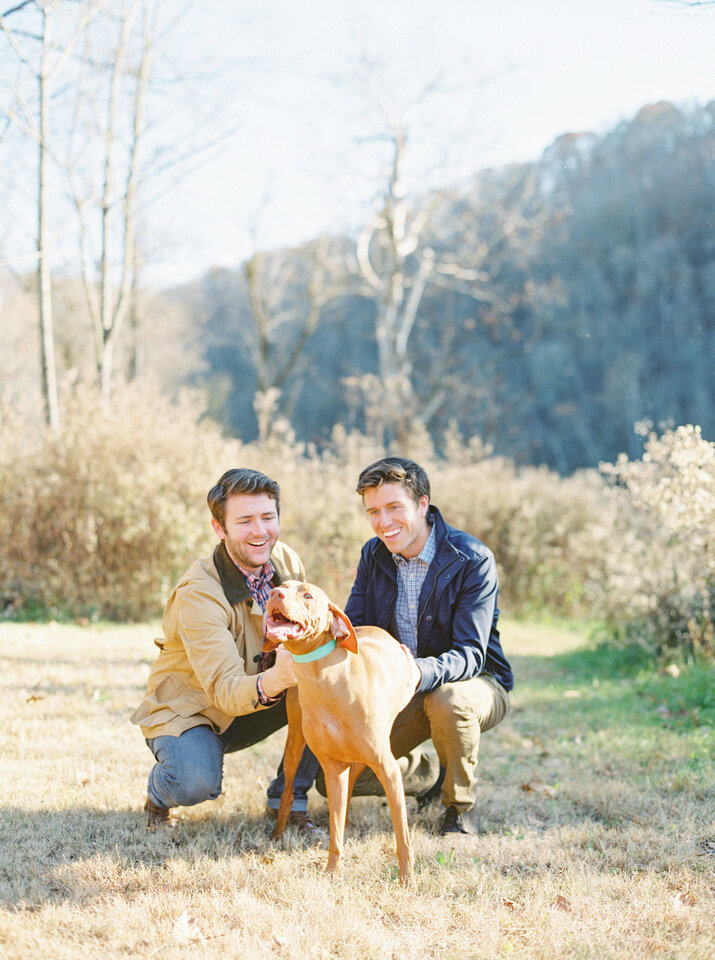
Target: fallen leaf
267, 859
536, 786
572, 694
707, 845
35, 696
186, 928
509, 904
562, 903
673, 670
684, 899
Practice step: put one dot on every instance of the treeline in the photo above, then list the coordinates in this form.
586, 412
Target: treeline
565, 301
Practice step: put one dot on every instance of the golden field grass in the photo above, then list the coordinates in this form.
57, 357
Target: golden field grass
596, 801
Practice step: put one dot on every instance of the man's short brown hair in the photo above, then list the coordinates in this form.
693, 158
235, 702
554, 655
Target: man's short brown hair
240, 480
406, 473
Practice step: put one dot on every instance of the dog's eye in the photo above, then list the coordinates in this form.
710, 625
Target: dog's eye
307, 596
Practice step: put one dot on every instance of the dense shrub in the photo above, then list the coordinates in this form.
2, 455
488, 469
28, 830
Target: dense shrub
661, 577
101, 517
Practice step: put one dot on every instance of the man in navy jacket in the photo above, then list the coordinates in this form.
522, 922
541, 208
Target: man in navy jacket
435, 588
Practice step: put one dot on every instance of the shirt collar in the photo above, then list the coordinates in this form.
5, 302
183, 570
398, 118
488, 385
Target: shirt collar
426, 554
264, 575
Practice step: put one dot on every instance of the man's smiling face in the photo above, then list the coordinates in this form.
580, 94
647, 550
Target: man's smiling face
250, 529
397, 519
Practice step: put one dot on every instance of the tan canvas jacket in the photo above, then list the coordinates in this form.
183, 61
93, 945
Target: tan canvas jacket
206, 672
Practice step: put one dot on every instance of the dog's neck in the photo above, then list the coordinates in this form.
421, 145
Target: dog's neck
318, 653
304, 647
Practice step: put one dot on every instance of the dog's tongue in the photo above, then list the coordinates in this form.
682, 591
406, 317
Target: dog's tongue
282, 630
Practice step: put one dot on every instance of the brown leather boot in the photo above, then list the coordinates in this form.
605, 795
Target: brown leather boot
158, 816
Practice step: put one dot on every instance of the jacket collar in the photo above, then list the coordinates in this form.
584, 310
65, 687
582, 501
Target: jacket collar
233, 582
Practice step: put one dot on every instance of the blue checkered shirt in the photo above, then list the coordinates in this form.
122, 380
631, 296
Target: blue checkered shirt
410, 577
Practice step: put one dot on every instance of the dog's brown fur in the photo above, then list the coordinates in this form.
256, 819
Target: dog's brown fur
346, 705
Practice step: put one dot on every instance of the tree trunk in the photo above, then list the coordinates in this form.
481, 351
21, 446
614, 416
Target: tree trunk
44, 277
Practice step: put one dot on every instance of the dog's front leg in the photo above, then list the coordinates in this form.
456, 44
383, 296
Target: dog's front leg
295, 742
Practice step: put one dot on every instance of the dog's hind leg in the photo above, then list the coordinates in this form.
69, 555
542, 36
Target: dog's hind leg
388, 773
336, 787
355, 770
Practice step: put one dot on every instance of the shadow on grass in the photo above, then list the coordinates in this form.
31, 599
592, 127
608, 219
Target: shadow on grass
36, 845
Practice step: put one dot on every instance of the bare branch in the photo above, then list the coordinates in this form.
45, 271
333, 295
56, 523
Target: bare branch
16, 9
12, 37
84, 20
362, 251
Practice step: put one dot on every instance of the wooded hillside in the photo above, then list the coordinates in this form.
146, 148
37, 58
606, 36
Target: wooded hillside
581, 301
546, 308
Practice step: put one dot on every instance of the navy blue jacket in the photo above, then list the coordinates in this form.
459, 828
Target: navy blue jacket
457, 636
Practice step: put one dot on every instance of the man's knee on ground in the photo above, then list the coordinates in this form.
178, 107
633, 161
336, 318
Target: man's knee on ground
193, 787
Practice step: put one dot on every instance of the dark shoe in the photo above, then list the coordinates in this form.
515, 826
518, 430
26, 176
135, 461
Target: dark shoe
434, 792
303, 826
158, 816
455, 822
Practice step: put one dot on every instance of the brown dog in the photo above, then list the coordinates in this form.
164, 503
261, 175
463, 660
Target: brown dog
352, 683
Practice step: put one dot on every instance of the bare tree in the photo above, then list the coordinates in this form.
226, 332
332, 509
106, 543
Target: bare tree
113, 143
286, 306
398, 255
34, 121
107, 195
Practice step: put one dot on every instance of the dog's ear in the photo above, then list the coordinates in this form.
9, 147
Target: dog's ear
343, 630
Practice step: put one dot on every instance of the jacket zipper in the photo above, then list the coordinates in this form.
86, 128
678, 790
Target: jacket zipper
429, 596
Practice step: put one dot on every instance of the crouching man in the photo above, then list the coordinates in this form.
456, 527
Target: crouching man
434, 588
210, 691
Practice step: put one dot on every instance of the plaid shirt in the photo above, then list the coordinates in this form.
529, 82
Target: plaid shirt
410, 577
260, 585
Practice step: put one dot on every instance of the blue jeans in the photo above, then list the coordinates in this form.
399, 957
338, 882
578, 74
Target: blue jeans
189, 768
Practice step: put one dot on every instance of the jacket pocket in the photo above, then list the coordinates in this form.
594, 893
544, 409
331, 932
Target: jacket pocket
182, 699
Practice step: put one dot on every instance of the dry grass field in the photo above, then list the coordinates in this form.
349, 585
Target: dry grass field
596, 805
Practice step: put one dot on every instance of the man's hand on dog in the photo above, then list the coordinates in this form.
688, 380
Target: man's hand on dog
415, 672
281, 675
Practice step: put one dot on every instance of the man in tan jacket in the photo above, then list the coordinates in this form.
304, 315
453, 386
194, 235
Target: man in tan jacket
210, 691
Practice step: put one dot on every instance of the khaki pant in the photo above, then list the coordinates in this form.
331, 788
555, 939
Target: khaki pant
453, 716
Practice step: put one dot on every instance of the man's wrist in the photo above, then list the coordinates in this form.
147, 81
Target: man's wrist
263, 698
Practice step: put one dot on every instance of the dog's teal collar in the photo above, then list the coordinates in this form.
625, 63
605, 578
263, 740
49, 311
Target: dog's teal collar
316, 654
